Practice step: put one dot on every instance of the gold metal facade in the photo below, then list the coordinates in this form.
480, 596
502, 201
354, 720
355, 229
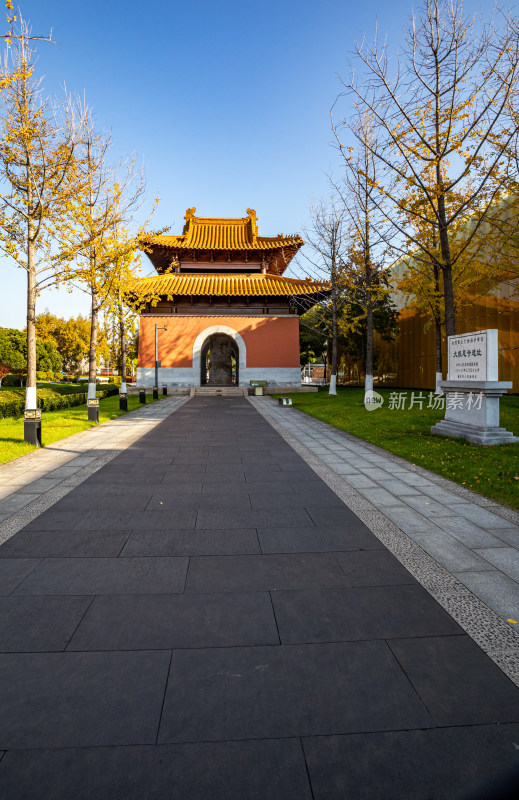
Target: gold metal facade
496, 309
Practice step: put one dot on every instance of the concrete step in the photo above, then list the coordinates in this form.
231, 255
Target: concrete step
220, 391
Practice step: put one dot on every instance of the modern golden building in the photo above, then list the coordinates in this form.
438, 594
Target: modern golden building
480, 308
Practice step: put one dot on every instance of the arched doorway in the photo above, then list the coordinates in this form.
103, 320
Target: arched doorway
219, 361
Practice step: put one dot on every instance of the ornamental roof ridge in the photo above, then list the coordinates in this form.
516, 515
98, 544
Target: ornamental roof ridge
221, 233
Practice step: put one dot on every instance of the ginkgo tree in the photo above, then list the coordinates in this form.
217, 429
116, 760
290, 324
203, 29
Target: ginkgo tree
327, 240
122, 314
364, 276
446, 135
96, 246
38, 175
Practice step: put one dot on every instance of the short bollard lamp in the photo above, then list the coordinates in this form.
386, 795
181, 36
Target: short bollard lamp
32, 426
155, 392
164, 390
123, 401
93, 410
142, 396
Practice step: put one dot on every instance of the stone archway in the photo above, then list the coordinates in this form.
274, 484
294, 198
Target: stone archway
235, 344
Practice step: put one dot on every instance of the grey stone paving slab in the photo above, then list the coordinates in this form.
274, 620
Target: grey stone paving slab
355, 461
426, 505
398, 487
415, 479
345, 468
138, 520
172, 501
52, 544
376, 474
468, 532
63, 472
450, 552
507, 535
164, 622
482, 517
267, 769
317, 540
81, 699
43, 484
380, 612
409, 520
373, 568
61, 576
446, 498
323, 517
254, 518
264, 572
17, 501
504, 558
192, 543
379, 497
457, 682
13, 571
360, 481
311, 500
476, 762
260, 692
34, 624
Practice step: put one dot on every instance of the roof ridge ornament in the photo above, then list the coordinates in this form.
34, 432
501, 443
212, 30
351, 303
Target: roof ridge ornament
254, 223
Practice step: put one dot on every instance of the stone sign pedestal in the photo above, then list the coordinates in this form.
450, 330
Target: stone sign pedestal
472, 412
473, 390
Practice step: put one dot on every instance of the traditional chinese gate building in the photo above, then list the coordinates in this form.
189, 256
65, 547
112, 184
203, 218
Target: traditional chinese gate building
230, 315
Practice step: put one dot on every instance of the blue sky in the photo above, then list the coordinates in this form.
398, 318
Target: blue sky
226, 103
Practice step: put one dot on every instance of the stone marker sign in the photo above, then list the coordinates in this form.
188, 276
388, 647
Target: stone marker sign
473, 390
473, 356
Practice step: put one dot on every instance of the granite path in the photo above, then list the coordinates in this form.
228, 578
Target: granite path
212, 608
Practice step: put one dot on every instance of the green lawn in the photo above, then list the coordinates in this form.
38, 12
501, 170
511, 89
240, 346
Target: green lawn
492, 471
58, 424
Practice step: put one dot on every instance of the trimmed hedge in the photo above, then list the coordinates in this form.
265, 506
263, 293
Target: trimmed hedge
12, 403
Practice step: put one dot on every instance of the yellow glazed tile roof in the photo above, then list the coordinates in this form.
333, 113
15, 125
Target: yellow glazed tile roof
206, 233
226, 285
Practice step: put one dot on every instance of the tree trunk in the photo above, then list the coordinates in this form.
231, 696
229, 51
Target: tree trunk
30, 390
368, 376
122, 336
439, 365
448, 289
333, 374
92, 353
438, 331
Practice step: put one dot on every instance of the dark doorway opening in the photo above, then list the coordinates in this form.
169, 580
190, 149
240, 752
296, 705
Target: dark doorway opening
219, 363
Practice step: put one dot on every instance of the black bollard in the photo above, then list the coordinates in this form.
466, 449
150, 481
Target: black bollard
93, 410
32, 426
155, 392
142, 396
164, 390
123, 402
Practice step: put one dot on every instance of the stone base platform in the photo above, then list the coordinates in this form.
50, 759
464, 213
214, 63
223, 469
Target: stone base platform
473, 433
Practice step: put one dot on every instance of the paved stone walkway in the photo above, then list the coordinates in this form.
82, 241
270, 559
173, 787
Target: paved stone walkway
203, 616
